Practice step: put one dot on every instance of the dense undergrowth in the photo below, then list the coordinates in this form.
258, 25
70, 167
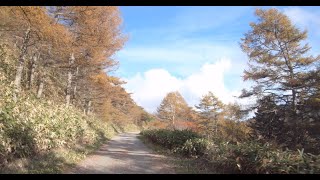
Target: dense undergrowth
35, 132
44, 135
224, 157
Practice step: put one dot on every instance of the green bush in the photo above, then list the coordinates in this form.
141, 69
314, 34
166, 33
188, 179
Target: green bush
194, 147
253, 157
170, 139
247, 157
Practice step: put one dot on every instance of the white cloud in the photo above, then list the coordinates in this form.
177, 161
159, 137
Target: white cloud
151, 87
148, 89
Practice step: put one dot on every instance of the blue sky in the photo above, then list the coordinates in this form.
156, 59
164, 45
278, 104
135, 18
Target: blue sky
193, 50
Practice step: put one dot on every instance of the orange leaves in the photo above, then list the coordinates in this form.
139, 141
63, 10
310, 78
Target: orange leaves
187, 125
172, 107
278, 58
158, 124
92, 35
210, 103
100, 78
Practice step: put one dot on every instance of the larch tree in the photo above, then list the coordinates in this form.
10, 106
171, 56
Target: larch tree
97, 32
68, 51
210, 107
32, 31
172, 108
22, 25
277, 60
279, 65
232, 115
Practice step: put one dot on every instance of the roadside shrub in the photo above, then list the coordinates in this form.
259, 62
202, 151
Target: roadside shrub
249, 157
170, 138
253, 157
32, 126
194, 147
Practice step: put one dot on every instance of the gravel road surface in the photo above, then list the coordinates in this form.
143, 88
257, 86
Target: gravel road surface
124, 154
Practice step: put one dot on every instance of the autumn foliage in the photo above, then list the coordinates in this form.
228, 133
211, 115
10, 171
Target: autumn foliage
55, 87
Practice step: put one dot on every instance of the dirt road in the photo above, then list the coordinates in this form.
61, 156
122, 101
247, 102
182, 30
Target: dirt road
124, 154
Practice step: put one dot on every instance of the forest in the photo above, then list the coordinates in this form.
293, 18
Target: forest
55, 91
59, 100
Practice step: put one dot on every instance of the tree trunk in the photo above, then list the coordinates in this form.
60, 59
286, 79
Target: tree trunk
75, 84
69, 81
287, 58
216, 127
32, 70
87, 107
74, 94
173, 116
293, 90
173, 125
17, 80
232, 133
40, 89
